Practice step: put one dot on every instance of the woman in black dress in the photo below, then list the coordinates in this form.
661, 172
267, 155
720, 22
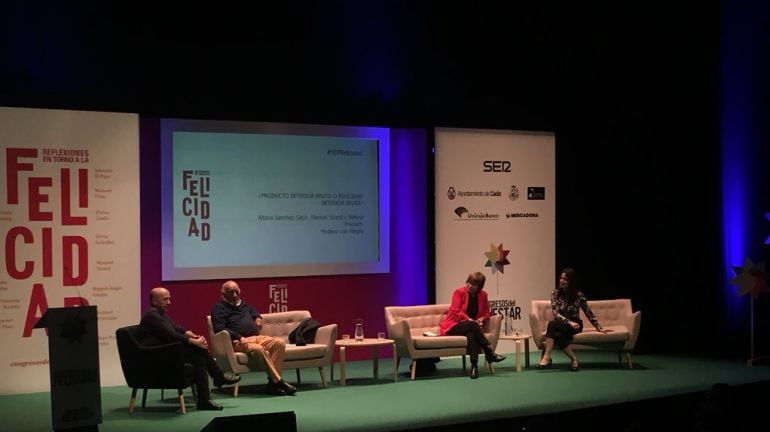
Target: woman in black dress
566, 302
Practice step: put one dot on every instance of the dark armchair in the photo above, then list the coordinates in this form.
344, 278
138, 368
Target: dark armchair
156, 367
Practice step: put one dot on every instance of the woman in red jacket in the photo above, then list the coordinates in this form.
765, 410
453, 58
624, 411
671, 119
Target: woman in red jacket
466, 317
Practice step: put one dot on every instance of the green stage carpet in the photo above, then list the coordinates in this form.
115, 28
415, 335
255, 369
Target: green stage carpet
443, 398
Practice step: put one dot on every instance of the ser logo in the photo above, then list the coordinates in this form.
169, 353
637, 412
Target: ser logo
497, 166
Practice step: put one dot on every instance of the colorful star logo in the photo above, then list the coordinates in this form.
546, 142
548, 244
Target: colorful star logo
496, 258
750, 278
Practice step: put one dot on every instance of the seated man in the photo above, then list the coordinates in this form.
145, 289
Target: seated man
156, 328
243, 322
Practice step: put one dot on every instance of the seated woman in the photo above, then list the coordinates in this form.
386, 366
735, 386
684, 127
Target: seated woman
566, 302
466, 317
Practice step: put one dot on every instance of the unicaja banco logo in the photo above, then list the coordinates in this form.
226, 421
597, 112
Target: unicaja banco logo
464, 213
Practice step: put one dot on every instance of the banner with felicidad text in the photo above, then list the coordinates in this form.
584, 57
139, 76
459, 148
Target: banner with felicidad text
69, 221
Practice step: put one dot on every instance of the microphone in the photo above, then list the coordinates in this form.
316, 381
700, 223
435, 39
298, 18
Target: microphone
82, 300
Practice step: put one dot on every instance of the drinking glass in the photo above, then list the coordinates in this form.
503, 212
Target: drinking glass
359, 330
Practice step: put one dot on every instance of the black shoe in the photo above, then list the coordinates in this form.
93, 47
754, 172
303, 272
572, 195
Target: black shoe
281, 388
575, 367
227, 378
275, 389
474, 372
209, 405
495, 358
288, 388
544, 366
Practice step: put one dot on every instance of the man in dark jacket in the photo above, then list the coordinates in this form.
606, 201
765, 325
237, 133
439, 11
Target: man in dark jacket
157, 328
243, 322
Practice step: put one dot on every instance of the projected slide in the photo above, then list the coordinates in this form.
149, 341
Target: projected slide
300, 201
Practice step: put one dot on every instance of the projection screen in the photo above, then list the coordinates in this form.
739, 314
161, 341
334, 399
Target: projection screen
249, 200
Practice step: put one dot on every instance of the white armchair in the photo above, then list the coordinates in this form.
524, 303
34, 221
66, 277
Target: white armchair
406, 325
280, 324
614, 315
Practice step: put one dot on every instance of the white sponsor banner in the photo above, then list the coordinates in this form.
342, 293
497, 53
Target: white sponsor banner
69, 220
495, 213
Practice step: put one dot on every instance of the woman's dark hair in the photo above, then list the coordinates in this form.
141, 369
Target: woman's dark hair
572, 278
477, 279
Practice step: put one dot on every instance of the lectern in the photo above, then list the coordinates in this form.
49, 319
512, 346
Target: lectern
73, 356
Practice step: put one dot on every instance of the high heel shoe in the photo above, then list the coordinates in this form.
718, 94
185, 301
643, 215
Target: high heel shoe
495, 358
575, 367
544, 366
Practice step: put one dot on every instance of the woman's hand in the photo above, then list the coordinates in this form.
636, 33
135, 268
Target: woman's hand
603, 330
574, 325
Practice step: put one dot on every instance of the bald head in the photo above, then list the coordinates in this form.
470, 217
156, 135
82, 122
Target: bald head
231, 292
160, 298
231, 284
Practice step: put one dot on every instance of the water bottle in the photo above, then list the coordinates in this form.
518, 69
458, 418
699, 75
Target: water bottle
508, 326
359, 330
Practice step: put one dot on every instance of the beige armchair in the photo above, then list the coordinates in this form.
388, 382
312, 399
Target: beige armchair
280, 324
614, 315
406, 325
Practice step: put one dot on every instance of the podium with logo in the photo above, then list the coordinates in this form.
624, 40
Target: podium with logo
73, 350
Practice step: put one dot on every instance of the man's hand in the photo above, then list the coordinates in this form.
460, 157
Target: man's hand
574, 325
258, 322
199, 341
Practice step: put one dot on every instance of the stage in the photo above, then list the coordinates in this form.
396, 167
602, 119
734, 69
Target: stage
602, 389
